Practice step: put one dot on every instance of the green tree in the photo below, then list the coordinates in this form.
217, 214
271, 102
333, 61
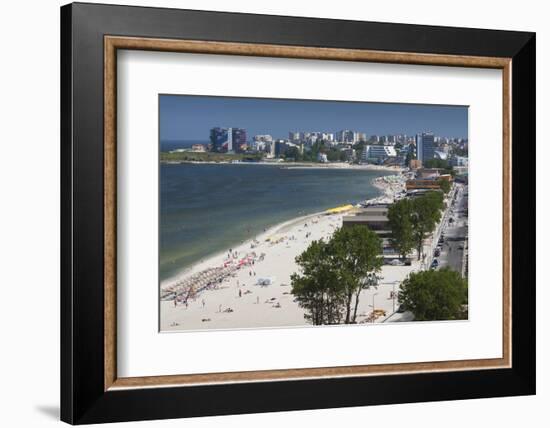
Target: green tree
435, 295
436, 199
436, 163
400, 221
317, 290
410, 156
359, 146
294, 153
460, 152
355, 256
426, 213
445, 185
333, 155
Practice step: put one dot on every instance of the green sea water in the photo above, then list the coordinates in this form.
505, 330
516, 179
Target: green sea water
206, 208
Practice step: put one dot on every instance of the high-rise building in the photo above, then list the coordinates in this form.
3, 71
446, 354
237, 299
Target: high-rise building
294, 136
270, 149
345, 136
218, 137
228, 139
238, 136
361, 136
425, 146
229, 144
265, 138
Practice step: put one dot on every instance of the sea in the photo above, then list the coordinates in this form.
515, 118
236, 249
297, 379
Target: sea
208, 208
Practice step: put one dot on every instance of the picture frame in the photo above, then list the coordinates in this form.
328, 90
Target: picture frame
91, 391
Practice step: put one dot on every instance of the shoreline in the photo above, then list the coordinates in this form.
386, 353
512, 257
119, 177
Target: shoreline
225, 290
295, 165
207, 260
386, 192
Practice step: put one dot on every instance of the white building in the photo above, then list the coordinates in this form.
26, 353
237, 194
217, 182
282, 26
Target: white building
346, 136
440, 155
229, 140
328, 136
258, 146
459, 161
265, 138
378, 153
294, 136
322, 157
360, 136
270, 149
260, 142
350, 153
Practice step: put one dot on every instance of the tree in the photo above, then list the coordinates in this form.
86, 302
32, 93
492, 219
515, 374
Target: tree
426, 213
435, 295
335, 272
460, 151
317, 290
333, 155
436, 199
436, 163
400, 221
293, 153
410, 156
359, 146
444, 185
355, 256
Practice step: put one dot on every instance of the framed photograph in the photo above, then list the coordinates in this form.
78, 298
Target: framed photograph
267, 213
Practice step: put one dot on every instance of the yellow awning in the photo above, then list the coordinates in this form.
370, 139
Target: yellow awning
339, 209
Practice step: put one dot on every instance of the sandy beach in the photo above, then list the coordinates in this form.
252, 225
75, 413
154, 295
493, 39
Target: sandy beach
295, 165
249, 286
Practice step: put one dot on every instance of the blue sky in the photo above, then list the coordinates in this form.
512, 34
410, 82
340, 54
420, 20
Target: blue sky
190, 117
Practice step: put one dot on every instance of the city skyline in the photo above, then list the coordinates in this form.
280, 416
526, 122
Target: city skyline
190, 117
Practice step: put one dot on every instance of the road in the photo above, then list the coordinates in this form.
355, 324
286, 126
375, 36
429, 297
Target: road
455, 232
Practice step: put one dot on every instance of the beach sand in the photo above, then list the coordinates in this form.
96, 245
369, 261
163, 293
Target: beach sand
257, 306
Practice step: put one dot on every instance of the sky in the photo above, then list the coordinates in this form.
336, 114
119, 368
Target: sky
190, 117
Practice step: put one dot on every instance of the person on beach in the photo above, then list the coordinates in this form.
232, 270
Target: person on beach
240, 293
203, 303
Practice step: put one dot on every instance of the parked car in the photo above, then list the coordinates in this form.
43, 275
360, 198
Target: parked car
437, 252
397, 262
434, 264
